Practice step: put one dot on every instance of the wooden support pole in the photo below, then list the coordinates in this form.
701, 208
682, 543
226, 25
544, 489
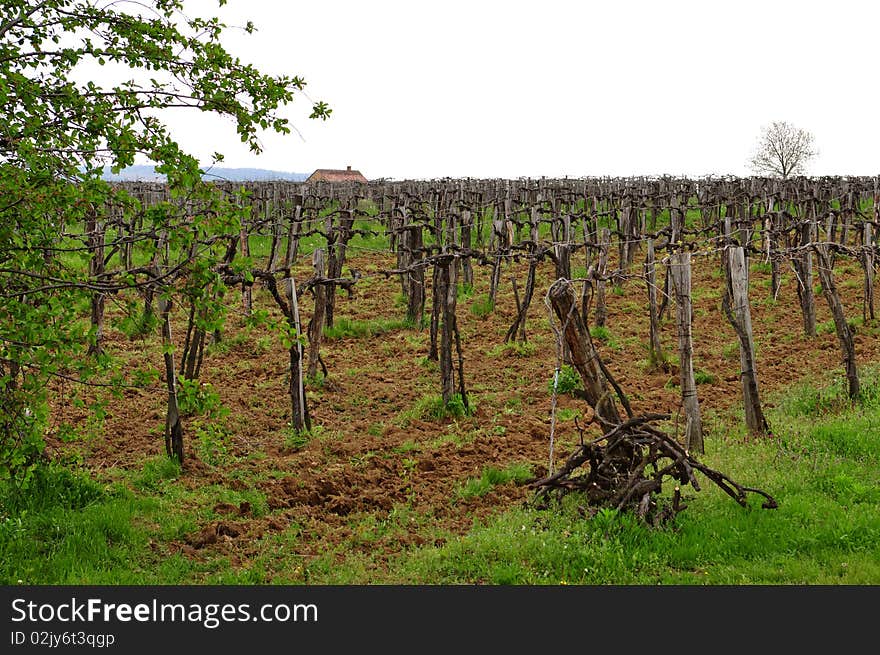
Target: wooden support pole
680, 273
316, 326
657, 357
401, 234
173, 426
96, 241
803, 267
736, 306
300, 419
868, 264
415, 277
467, 224
844, 332
247, 296
447, 289
601, 266
299, 411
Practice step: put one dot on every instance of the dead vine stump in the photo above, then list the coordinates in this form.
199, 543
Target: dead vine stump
627, 465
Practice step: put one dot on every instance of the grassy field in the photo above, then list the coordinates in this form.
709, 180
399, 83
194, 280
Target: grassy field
821, 465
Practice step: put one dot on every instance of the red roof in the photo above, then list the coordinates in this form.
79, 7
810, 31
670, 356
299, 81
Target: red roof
336, 175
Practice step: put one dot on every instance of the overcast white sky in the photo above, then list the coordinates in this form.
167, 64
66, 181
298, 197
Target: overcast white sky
551, 88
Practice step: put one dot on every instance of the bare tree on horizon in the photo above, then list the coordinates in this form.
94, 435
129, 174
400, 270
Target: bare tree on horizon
783, 150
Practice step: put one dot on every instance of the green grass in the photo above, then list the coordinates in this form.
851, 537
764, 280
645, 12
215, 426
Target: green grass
431, 406
491, 477
514, 348
655, 361
700, 293
566, 380
67, 529
826, 327
566, 414
296, 439
482, 306
730, 350
703, 377
155, 471
135, 323
604, 335
351, 328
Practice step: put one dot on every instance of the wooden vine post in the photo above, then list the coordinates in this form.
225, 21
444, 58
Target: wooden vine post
194, 343
589, 230
173, 426
772, 250
398, 230
657, 357
867, 260
844, 331
96, 243
337, 242
466, 229
517, 329
447, 288
316, 326
415, 276
601, 266
735, 303
803, 268
247, 297
288, 303
680, 273
561, 246
299, 410
500, 238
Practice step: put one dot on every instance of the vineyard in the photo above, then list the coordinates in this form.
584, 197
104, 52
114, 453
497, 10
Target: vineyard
339, 355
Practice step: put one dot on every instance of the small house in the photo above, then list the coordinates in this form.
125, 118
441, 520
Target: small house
336, 175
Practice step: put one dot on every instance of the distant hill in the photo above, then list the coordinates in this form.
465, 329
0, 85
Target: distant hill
142, 173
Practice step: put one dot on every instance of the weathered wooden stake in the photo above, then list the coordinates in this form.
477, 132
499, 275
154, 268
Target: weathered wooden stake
680, 273
337, 241
401, 239
844, 332
95, 232
601, 265
448, 289
316, 326
415, 277
173, 426
518, 327
247, 297
467, 224
300, 418
657, 356
499, 238
803, 268
735, 303
868, 264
